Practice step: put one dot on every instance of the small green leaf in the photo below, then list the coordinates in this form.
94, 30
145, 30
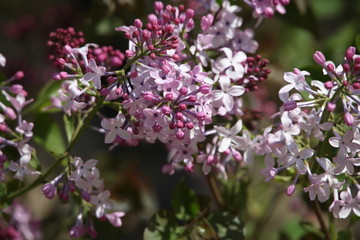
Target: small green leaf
185, 202
227, 226
48, 133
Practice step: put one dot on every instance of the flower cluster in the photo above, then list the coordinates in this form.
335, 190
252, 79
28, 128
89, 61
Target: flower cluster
267, 8
15, 132
84, 182
319, 134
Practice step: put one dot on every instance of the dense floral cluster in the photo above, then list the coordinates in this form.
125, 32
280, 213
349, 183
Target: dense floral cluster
319, 134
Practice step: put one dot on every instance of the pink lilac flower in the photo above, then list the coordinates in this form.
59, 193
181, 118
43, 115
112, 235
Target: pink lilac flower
349, 204
101, 201
114, 128
227, 92
95, 74
2, 60
228, 135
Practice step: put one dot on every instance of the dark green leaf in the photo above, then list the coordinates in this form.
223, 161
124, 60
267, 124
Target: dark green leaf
227, 226
163, 226
345, 235
69, 124
48, 133
357, 41
185, 202
3, 192
310, 228
43, 98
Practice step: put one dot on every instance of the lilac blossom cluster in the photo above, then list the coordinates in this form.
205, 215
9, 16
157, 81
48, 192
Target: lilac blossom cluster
318, 136
15, 132
267, 8
83, 181
173, 86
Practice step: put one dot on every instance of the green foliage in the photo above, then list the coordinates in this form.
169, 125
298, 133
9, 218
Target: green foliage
3, 193
345, 235
185, 202
162, 226
48, 133
227, 226
69, 125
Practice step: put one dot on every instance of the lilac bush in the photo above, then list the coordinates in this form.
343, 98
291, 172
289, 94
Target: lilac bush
186, 81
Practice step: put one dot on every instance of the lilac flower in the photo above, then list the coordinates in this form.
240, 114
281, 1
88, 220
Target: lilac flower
229, 135
101, 201
232, 63
95, 74
344, 143
114, 128
25, 128
350, 204
115, 218
318, 188
296, 157
227, 92
21, 170
68, 97
17, 102
83, 169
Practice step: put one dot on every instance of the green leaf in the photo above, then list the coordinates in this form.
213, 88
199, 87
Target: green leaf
345, 235
310, 228
43, 98
69, 124
163, 226
48, 133
227, 226
185, 202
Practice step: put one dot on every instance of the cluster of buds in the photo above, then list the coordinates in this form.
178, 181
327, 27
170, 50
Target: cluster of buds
319, 134
267, 8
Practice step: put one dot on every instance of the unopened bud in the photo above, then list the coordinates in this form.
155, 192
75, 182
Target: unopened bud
348, 119
19, 75
319, 58
291, 105
331, 106
329, 85
290, 190
350, 52
180, 135
138, 23
205, 88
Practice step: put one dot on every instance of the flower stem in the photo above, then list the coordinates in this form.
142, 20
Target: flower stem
317, 209
215, 191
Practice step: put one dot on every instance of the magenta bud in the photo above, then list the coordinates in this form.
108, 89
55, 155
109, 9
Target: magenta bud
329, 85
201, 116
179, 116
104, 92
237, 155
356, 85
138, 23
129, 53
19, 75
3, 127
190, 13
166, 110
169, 96
330, 67
348, 119
10, 113
49, 190
67, 49
158, 6
180, 124
350, 52
192, 98
284, 2
133, 74
290, 190
56, 77
118, 91
346, 67
183, 90
319, 58
205, 88
148, 96
291, 105
210, 159
180, 135
189, 125
63, 75
182, 106
331, 107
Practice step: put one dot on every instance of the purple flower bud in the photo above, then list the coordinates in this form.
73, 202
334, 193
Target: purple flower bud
331, 107
201, 116
189, 125
85, 195
237, 155
56, 77
210, 160
330, 67
64, 75
192, 98
356, 85
17, 89
348, 119
3, 127
183, 90
104, 92
166, 110
134, 74
290, 190
118, 91
169, 96
138, 23
189, 167
319, 58
190, 13
67, 49
329, 85
291, 105
205, 88
350, 52
180, 135
346, 67
158, 6
129, 53
284, 2
10, 113
19, 75
182, 106
49, 190
206, 22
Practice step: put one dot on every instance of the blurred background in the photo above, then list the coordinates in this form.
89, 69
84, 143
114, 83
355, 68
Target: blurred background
134, 174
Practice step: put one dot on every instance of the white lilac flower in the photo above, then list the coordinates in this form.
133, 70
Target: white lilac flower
228, 135
114, 128
95, 74
349, 204
227, 92
101, 201
344, 143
